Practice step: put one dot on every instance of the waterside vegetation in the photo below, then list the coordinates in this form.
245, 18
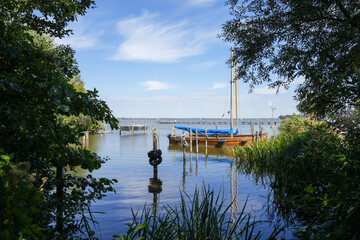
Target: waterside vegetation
314, 173
205, 216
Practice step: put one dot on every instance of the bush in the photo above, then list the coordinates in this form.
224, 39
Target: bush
314, 176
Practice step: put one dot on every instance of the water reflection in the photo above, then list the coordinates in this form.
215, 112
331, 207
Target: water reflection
274, 206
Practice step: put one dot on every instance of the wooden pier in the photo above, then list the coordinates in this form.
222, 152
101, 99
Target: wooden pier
132, 128
213, 122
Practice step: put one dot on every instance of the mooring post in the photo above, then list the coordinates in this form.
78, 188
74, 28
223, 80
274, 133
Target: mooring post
261, 131
183, 142
145, 127
190, 135
132, 129
206, 138
154, 137
197, 141
173, 133
120, 126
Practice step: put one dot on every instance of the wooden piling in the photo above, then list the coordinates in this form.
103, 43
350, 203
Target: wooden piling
120, 126
197, 141
155, 146
145, 127
132, 129
206, 138
173, 133
190, 135
183, 141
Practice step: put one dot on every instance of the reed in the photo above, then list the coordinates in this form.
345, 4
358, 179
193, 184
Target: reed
313, 173
204, 216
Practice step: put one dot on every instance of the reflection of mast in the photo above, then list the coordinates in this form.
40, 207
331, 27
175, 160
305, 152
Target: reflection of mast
237, 194
184, 173
232, 193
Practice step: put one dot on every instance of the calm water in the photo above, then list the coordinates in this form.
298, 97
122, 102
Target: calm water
129, 164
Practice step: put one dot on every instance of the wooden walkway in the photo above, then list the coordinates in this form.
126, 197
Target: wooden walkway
247, 122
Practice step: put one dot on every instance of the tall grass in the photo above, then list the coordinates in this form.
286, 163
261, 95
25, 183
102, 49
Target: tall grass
202, 217
314, 176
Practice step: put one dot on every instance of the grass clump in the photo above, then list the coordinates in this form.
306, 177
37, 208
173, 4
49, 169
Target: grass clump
202, 217
314, 175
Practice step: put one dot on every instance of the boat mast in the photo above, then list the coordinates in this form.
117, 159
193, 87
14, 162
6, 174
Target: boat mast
231, 90
236, 98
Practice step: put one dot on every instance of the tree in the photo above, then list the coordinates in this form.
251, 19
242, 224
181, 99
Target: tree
82, 121
317, 40
35, 87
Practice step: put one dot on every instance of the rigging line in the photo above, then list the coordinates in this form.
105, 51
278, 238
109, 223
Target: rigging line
252, 101
226, 100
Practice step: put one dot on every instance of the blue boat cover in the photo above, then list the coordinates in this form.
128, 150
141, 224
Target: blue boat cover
210, 132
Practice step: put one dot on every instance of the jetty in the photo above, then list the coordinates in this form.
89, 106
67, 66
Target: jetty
215, 122
133, 127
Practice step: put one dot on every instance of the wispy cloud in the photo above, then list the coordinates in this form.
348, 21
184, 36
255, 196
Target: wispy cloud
83, 36
217, 85
202, 3
204, 65
156, 85
268, 91
146, 38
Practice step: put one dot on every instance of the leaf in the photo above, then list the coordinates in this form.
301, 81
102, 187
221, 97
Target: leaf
309, 189
141, 226
64, 108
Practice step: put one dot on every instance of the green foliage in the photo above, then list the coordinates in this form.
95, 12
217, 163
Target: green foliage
206, 218
316, 40
19, 198
35, 88
313, 174
81, 122
296, 124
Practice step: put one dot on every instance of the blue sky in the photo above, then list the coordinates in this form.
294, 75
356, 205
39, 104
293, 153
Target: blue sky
162, 58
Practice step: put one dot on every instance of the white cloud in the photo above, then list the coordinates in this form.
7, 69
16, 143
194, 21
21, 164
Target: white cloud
268, 91
204, 65
217, 85
148, 39
206, 3
83, 36
155, 85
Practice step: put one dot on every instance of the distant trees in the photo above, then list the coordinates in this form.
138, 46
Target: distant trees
317, 40
83, 122
35, 147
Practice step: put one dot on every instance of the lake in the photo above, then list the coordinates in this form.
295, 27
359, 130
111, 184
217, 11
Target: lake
129, 164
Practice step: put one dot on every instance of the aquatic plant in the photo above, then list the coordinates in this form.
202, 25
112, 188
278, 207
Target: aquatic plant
206, 217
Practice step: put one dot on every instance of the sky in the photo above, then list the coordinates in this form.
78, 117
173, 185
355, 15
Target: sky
164, 59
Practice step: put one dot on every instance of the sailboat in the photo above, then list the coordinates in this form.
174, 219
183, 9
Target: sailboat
218, 137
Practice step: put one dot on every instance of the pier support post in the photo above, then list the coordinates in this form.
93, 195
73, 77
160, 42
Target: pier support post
132, 129
182, 141
120, 126
190, 135
145, 127
206, 138
197, 141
